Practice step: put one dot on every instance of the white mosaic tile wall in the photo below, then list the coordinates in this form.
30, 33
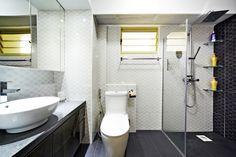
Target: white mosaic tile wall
149, 82
95, 83
49, 40
99, 75
199, 117
148, 79
32, 83
101, 51
173, 86
77, 81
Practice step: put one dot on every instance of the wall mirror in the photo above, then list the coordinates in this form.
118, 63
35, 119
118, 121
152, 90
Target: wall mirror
32, 34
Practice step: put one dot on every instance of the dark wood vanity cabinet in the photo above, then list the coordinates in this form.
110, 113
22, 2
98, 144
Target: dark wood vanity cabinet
44, 149
65, 139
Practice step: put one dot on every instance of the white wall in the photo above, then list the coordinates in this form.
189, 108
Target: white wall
15, 7
49, 52
32, 83
160, 6
149, 82
200, 116
78, 60
173, 86
147, 77
95, 82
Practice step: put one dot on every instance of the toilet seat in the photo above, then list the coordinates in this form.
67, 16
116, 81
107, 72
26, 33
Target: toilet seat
115, 125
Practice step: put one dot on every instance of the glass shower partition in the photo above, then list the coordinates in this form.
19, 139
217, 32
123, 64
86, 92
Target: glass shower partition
175, 45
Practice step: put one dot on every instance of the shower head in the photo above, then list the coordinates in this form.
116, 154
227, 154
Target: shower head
214, 15
192, 58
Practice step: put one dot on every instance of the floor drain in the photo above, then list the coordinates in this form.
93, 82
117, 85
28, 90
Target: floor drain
204, 138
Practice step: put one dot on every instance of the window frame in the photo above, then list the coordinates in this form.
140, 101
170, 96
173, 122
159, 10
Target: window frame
15, 38
140, 29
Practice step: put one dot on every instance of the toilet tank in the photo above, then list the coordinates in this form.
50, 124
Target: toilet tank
116, 102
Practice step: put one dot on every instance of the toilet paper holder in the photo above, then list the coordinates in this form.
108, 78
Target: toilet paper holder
132, 94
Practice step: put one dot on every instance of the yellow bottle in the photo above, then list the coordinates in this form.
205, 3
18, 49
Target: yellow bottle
213, 60
214, 84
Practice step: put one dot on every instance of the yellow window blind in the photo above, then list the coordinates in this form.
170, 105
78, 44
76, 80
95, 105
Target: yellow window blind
139, 40
15, 44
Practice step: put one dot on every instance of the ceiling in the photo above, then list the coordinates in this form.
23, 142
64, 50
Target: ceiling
45, 4
54, 5
75, 4
66, 4
153, 19
144, 19
124, 19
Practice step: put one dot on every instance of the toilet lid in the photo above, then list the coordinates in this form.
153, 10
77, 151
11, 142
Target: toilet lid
115, 124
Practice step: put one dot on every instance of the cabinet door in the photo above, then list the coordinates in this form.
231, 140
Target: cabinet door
81, 124
64, 142
81, 130
44, 149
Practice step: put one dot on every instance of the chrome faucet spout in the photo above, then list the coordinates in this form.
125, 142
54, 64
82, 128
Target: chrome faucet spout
5, 91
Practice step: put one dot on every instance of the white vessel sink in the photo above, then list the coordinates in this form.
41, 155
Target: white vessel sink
25, 114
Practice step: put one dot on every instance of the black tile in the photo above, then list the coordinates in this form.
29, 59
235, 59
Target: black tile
178, 139
219, 147
218, 123
81, 150
225, 103
164, 146
134, 146
154, 143
96, 149
140, 144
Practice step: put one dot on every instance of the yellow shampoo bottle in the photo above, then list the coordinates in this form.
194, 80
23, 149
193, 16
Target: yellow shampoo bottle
214, 84
213, 60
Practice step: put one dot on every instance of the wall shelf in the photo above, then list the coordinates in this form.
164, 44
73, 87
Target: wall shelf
209, 90
209, 42
209, 66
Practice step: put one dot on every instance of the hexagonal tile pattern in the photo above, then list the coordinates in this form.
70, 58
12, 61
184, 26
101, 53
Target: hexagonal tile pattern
32, 82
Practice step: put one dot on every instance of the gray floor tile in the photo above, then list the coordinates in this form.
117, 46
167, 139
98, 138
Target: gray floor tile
140, 144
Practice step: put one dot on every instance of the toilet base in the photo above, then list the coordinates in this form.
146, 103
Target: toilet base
115, 146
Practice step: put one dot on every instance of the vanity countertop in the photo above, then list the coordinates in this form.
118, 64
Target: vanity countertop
63, 109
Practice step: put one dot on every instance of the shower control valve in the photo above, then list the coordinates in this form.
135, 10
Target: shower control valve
190, 79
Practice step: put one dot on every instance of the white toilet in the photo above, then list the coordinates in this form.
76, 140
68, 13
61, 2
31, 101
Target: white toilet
115, 124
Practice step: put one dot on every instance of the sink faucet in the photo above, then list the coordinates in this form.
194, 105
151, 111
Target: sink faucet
4, 91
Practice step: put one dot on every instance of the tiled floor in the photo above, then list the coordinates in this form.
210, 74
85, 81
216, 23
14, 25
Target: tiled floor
82, 150
140, 144
219, 147
155, 144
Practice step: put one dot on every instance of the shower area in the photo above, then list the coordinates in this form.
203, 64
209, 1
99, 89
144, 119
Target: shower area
199, 122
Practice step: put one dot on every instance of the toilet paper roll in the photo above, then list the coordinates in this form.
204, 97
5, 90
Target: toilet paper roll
61, 95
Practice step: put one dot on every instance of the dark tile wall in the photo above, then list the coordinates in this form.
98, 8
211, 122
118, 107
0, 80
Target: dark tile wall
224, 114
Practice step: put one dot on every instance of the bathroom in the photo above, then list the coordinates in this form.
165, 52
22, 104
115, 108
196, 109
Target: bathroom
175, 76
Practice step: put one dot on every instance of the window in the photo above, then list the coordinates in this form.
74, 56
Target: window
15, 44
139, 41
176, 41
